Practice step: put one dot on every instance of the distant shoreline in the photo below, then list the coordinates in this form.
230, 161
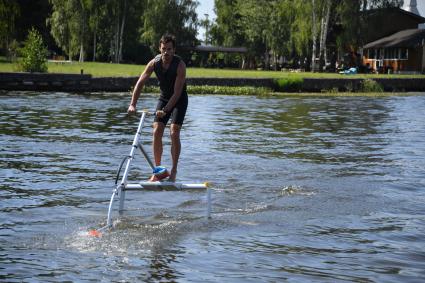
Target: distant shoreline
86, 83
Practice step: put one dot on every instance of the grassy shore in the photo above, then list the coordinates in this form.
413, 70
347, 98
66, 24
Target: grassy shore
283, 79
97, 69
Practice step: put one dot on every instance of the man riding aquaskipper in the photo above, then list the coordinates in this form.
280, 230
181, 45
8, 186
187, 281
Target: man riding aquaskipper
170, 71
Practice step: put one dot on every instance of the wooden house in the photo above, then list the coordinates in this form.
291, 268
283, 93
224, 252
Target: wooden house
396, 44
401, 52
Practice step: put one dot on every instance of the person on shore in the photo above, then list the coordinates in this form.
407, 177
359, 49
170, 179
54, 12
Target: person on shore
170, 71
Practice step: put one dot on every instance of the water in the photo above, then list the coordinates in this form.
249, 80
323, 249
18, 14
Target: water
305, 190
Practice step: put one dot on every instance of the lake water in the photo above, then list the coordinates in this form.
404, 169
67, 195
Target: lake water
312, 189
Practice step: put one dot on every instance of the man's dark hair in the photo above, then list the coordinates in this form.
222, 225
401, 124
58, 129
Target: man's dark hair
168, 38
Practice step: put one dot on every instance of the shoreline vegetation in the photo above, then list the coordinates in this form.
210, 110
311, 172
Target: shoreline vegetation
99, 69
260, 91
287, 82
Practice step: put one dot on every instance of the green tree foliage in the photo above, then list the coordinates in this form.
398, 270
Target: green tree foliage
206, 24
119, 30
229, 29
297, 15
352, 18
292, 28
68, 24
177, 17
113, 28
9, 11
117, 15
34, 53
258, 29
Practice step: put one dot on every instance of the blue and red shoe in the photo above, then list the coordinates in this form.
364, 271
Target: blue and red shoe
159, 173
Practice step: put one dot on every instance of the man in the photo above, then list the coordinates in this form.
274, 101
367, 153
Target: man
172, 103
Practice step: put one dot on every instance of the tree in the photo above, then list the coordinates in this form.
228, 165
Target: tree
9, 11
278, 27
83, 28
95, 9
69, 26
314, 34
113, 26
118, 11
281, 19
352, 16
229, 30
177, 17
247, 23
34, 53
258, 27
206, 24
320, 20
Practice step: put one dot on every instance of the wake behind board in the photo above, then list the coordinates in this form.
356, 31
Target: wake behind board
165, 186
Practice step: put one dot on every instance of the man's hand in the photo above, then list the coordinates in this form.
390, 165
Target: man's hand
160, 113
131, 109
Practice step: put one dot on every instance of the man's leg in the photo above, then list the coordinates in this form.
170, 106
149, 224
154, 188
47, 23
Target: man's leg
158, 132
175, 149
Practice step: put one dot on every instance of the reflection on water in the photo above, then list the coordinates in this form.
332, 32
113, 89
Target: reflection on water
305, 189
315, 131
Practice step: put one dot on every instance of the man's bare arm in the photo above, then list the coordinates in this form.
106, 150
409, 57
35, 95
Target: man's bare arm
144, 77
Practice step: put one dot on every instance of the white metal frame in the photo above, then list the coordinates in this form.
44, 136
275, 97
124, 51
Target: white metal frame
124, 186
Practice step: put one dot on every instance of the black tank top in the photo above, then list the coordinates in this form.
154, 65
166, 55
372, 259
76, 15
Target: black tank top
168, 77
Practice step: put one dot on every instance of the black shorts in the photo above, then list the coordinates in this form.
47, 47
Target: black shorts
177, 114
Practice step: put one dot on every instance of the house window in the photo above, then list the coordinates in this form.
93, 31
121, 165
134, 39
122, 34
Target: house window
378, 53
403, 53
390, 53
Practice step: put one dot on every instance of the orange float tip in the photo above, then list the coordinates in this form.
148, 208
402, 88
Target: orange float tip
95, 233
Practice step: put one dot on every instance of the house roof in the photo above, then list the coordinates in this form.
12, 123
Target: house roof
416, 17
404, 38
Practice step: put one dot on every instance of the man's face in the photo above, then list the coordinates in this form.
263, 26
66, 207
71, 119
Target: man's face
167, 51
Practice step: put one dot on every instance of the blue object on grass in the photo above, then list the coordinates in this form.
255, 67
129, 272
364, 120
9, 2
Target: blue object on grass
351, 71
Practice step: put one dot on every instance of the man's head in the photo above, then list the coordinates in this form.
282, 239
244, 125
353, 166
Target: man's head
168, 38
167, 47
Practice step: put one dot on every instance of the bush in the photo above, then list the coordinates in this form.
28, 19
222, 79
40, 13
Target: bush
212, 89
228, 90
289, 84
369, 85
34, 53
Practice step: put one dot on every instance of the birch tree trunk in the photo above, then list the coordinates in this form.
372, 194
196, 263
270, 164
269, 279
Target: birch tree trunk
116, 39
83, 30
121, 35
324, 33
94, 44
314, 36
96, 24
82, 36
266, 58
81, 59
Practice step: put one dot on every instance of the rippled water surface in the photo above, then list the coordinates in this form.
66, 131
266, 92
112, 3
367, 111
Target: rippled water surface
304, 190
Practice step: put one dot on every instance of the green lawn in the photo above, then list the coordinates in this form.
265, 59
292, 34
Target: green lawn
124, 70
